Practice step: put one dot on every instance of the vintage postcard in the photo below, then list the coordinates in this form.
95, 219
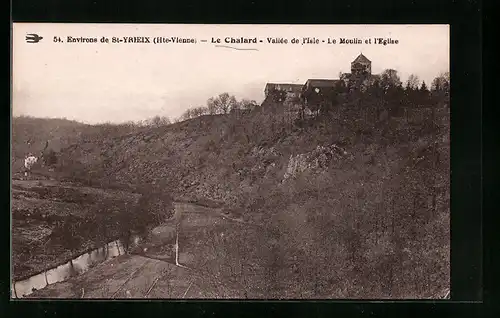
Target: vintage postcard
174, 161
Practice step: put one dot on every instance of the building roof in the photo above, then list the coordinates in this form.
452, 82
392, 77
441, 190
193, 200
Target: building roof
284, 86
321, 82
361, 59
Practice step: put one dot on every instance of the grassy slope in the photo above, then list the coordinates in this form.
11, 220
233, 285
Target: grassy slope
374, 208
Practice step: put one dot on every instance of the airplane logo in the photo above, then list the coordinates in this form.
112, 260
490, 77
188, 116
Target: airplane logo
33, 38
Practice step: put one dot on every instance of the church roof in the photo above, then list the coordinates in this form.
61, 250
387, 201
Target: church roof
361, 59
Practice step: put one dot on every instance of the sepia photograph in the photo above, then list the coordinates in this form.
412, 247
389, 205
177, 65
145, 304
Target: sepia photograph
244, 162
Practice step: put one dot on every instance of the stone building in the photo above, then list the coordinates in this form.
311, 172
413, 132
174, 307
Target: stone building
361, 66
315, 92
276, 93
361, 76
318, 91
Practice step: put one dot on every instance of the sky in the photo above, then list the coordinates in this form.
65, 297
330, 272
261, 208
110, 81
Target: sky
119, 82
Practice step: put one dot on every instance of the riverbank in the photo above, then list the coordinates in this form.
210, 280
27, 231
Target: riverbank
53, 222
74, 267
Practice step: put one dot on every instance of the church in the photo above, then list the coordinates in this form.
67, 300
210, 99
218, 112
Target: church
314, 91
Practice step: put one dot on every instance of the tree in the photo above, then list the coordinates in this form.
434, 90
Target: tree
221, 104
374, 95
194, 112
187, 114
199, 111
424, 94
441, 82
50, 158
157, 121
390, 79
395, 98
247, 104
212, 106
412, 90
423, 88
413, 82
374, 91
345, 79
440, 87
340, 87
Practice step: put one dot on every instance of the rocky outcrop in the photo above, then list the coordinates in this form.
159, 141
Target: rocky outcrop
319, 158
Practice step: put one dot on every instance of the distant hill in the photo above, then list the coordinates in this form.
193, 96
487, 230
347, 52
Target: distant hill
30, 134
37, 131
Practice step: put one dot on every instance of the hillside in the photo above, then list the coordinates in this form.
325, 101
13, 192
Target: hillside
354, 203
366, 193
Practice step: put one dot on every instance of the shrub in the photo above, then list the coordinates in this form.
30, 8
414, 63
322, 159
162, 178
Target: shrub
153, 208
50, 158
